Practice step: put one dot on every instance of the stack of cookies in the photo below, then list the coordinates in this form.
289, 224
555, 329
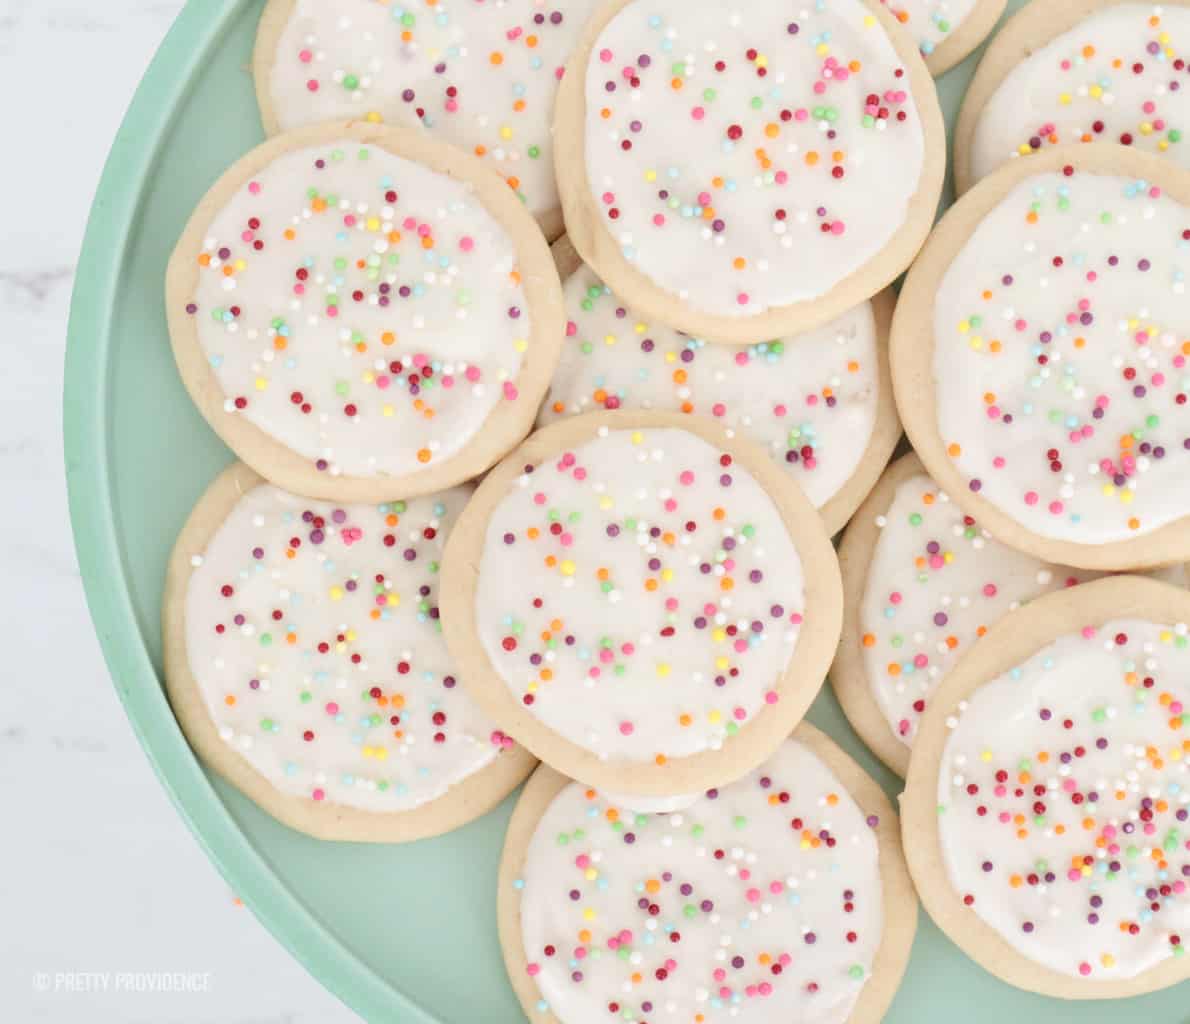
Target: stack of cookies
558, 340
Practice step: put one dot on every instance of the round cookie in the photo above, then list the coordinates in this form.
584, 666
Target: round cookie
481, 76
362, 313
305, 663
821, 403
783, 895
1078, 71
747, 176
1039, 357
922, 581
1045, 811
645, 603
946, 30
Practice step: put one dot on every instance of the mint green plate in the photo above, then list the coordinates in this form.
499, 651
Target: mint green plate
401, 933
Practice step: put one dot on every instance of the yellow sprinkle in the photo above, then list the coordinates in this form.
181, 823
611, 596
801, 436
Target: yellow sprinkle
336, 593
568, 568
261, 383
663, 669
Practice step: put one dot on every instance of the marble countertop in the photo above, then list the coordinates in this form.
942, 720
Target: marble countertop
112, 913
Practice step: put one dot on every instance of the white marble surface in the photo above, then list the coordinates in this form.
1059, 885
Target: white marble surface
102, 887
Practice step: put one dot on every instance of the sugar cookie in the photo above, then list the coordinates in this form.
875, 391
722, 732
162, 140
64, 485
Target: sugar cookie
781, 896
643, 602
946, 30
1039, 356
481, 76
305, 663
922, 581
363, 313
1046, 807
820, 403
1078, 71
742, 176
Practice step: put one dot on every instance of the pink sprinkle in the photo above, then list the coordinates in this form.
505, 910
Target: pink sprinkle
472, 373
659, 220
686, 477
1031, 498
698, 113
510, 391
466, 243
1056, 508
753, 895
312, 85
837, 227
742, 298
989, 590
539, 498
305, 56
254, 187
739, 714
1084, 968
626, 729
332, 708
532, 970
605, 55
772, 697
718, 409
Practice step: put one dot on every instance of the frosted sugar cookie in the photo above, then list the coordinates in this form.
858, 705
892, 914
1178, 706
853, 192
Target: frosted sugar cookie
946, 30
922, 581
1039, 357
1078, 71
820, 403
305, 663
480, 75
782, 896
364, 314
1046, 808
644, 602
751, 172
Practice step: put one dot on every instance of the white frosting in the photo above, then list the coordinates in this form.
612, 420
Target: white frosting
763, 180
1060, 358
480, 74
936, 582
652, 804
331, 683
1081, 860
762, 903
639, 595
380, 321
932, 22
1118, 76
810, 400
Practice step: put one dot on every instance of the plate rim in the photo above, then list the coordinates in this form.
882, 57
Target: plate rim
86, 393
